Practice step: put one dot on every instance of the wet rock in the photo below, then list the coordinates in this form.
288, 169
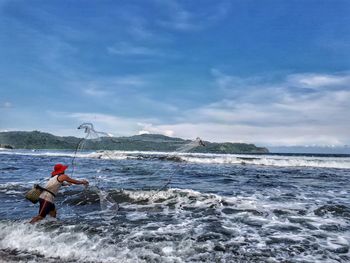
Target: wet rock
336, 210
276, 240
209, 236
6, 146
300, 249
279, 212
302, 212
310, 226
219, 248
345, 258
330, 227
229, 211
341, 250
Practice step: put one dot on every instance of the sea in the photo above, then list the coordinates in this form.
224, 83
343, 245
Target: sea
178, 207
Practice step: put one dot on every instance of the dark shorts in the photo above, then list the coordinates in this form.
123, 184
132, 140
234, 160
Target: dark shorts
45, 207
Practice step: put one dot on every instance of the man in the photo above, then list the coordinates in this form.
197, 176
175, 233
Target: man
46, 199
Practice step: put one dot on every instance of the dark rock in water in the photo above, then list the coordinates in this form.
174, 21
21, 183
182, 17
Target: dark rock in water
276, 240
300, 249
6, 146
10, 168
219, 248
170, 158
229, 211
336, 210
302, 212
331, 227
345, 258
209, 236
280, 212
341, 250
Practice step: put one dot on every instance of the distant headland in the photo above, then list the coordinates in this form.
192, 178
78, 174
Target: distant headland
144, 142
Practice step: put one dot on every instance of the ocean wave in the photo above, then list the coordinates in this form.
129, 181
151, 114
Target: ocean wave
201, 158
42, 153
323, 162
266, 160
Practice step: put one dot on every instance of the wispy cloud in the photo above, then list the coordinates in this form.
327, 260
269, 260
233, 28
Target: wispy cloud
277, 113
126, 49
109, 86
96, 92
269, 113
183, 19
141, 52
319, 80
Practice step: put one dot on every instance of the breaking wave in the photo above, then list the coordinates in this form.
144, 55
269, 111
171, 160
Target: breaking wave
201, 158
268, 160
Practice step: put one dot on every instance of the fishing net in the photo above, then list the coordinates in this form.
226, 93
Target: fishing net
93, 141
89, 141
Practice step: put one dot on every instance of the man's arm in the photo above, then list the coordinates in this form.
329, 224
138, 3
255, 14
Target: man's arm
66, 178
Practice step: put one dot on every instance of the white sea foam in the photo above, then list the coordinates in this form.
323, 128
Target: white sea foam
41, 153
237, 159
201, 158
60, 243
283, 161
196, 225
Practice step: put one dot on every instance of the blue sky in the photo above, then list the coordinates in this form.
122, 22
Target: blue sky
268, 72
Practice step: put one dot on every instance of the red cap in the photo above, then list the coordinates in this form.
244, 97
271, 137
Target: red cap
59, 169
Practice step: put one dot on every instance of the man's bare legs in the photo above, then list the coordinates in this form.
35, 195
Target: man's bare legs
36, 219
52, 213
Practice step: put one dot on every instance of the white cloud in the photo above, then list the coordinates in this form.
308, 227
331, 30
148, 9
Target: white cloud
276, 113
179, 18
253, 110
109, 86
96, 92
319, 80
143, 132
148, 128
267, 114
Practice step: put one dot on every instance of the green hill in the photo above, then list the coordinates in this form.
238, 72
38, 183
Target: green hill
145, 142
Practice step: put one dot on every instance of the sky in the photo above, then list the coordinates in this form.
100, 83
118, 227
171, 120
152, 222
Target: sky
267, 72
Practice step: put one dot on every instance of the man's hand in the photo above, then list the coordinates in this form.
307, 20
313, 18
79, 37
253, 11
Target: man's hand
84, 182
66, 178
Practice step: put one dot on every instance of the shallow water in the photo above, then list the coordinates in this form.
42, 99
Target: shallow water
214, 208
